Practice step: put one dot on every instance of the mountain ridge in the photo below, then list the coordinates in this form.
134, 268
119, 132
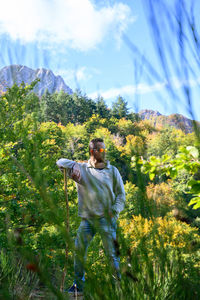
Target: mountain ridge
20, 73
48, 81
176, 120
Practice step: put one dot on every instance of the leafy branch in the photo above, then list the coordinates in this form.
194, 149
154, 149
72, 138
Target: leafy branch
186, 159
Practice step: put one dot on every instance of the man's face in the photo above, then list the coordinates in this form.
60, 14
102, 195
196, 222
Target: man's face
99, 152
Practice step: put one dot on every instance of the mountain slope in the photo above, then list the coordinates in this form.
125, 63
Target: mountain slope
18, 73
176, 120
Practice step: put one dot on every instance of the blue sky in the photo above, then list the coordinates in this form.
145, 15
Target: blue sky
83, 41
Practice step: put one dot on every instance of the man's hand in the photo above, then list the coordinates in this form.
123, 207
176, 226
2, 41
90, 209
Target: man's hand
61, 169
76, 173
111, 215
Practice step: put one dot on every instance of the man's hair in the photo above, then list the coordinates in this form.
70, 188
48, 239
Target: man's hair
93, 143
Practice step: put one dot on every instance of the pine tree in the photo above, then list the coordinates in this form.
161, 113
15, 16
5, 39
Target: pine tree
101, 108
119, 108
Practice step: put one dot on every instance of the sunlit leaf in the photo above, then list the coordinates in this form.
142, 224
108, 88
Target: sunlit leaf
151, 176
193, 151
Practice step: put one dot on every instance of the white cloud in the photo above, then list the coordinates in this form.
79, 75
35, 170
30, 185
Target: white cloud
74, 23
129, 90
143, 88
81, 74
177, 83
78, 74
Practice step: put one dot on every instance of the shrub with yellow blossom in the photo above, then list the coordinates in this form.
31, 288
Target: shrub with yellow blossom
160, 232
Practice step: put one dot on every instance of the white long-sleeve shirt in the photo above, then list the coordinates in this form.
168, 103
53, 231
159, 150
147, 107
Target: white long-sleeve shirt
100, 191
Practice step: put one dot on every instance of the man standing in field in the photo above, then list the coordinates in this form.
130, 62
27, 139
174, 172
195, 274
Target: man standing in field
101, 198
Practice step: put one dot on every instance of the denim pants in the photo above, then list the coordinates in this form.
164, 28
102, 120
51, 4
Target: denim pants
87, 229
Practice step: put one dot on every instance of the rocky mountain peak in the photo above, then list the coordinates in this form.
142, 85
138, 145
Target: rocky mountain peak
175, 120
18, 73
148, 114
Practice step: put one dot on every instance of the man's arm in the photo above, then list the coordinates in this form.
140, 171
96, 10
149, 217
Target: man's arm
118, 187
72, 168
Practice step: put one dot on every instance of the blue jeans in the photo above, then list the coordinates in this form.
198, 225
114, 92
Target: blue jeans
87, 230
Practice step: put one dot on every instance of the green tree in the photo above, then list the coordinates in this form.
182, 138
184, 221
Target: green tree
102, 109
31, 196
84, 107
186, 159
119, 108
76, 141
57, 107
167, 141
125, 127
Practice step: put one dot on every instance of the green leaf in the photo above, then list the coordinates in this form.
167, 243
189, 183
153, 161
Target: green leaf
133, 158
154, 160
153, 169
193, 151
195, 186
191, 182
196, 206
151, 176
133, 164
173, 172
165, 157
195, 201
195, 189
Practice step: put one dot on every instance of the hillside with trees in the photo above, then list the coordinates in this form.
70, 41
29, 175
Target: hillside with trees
175, 120
158, 233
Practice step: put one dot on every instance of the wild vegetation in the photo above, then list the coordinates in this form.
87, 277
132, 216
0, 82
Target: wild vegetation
158, 232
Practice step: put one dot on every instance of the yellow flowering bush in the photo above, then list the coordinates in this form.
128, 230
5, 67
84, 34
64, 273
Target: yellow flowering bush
162, 197
125, 127
134, 145
160, 232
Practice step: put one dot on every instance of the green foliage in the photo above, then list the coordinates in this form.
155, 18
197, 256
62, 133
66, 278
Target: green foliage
163, 258
126, 127
187, 158
134, 199
96, 122
76, 141
167, 141
160, 232
64, 108
34, 134
119, 108
102, 109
